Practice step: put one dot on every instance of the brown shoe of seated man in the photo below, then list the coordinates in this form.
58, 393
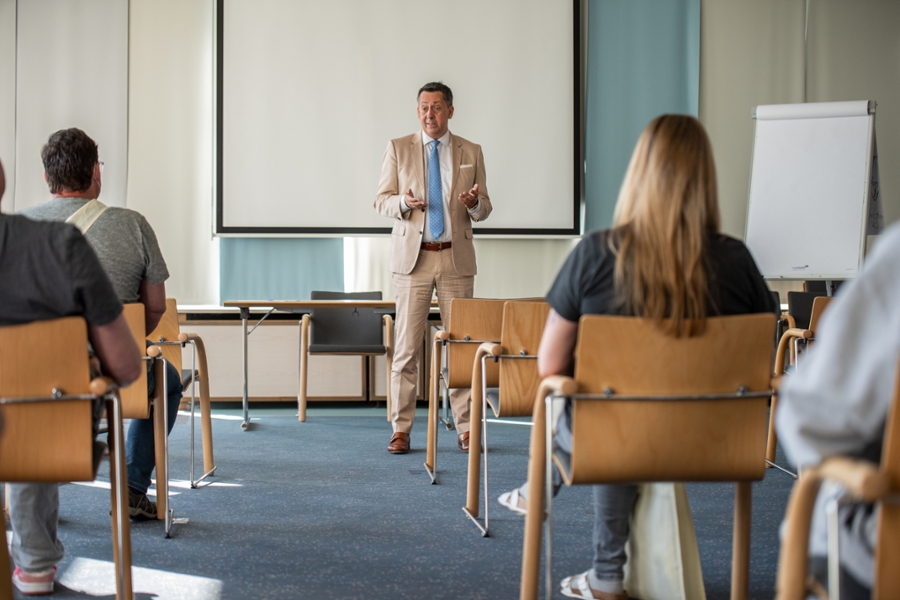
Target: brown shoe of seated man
463, 441
399, 443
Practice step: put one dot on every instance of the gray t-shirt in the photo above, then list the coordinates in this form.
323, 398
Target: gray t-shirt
123, 240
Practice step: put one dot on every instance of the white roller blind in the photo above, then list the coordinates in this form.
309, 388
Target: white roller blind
314, 90
72, 71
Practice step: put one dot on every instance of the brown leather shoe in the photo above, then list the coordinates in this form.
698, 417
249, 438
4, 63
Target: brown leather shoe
399, 443
463, 441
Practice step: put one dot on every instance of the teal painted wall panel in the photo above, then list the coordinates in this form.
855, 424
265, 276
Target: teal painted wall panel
643, 61
279, 268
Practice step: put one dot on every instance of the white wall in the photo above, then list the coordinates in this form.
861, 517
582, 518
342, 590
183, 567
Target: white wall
854, 54
171, 138
506, 268
8, 99
750, 53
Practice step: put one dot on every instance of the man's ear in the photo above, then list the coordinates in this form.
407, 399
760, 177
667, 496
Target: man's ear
46, 178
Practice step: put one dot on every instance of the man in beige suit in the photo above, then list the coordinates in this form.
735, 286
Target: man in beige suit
433, 185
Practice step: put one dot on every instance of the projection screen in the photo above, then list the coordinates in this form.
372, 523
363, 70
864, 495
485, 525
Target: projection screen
310, 92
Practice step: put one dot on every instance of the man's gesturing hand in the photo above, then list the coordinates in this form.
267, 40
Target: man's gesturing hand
412, 201
470, 198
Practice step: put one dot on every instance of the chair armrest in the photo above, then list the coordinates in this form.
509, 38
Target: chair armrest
488, 348
154, 351
556, 383
441, 336
861, 478
784, 345
100, 386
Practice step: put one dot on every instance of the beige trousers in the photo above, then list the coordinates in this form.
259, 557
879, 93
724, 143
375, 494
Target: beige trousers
433, 271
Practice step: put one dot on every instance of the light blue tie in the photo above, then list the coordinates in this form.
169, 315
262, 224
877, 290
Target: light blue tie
435, 195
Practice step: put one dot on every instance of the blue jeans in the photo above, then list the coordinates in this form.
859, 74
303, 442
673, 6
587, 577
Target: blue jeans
612, 510
140, 448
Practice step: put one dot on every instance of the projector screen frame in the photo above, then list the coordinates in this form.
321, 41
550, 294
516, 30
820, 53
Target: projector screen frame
222, 230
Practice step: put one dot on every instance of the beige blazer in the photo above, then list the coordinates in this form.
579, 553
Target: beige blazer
403, 168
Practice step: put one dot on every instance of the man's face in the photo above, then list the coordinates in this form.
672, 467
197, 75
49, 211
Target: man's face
434, 114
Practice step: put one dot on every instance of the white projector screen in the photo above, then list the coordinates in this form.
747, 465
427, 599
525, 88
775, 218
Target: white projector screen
810, 189
310, 92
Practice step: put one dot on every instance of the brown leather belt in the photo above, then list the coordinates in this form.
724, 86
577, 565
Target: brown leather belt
435, 247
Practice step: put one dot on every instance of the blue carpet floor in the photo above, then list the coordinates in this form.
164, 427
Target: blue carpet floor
320, 510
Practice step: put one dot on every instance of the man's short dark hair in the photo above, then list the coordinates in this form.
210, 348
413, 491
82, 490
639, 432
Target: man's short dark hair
437, 86
69, 157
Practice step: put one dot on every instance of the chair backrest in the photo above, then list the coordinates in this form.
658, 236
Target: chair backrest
523, 326
167, 330
819, 305
135, 404
663, 439
46, 441
478, 319
349, 330
800, 305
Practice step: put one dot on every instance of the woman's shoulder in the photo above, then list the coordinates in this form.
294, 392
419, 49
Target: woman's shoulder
726, 248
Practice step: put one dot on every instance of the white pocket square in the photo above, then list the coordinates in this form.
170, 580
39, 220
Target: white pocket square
466, 166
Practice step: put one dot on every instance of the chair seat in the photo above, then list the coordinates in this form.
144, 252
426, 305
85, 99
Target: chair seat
187, 377
346, 349
493, 398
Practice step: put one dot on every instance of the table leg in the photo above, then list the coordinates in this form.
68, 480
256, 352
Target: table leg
245, 316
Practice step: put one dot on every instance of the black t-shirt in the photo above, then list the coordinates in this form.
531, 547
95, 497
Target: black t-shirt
48, 270
585, 283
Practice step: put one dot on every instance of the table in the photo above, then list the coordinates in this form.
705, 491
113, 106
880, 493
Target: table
299, 307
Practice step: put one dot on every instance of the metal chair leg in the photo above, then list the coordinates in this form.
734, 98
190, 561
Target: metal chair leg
121, 528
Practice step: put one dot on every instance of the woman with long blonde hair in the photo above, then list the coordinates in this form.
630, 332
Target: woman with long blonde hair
663, 259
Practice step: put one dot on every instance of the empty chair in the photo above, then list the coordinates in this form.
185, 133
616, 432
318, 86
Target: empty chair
473, 321
344, 330
171, 340
800, 305
787, 343
516, 355
657, 408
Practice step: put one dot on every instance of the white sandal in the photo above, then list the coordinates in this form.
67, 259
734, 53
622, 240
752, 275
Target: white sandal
577, 586
511, 501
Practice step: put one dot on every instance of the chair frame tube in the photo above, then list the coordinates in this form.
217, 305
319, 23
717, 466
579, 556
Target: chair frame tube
209, 472
437, 374
471, 508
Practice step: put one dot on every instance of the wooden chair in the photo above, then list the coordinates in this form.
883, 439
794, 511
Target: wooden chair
863, 481
648, 407
171, 340
516, 354
473, 321
788, 341
47, 400
344, 330
136, 405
